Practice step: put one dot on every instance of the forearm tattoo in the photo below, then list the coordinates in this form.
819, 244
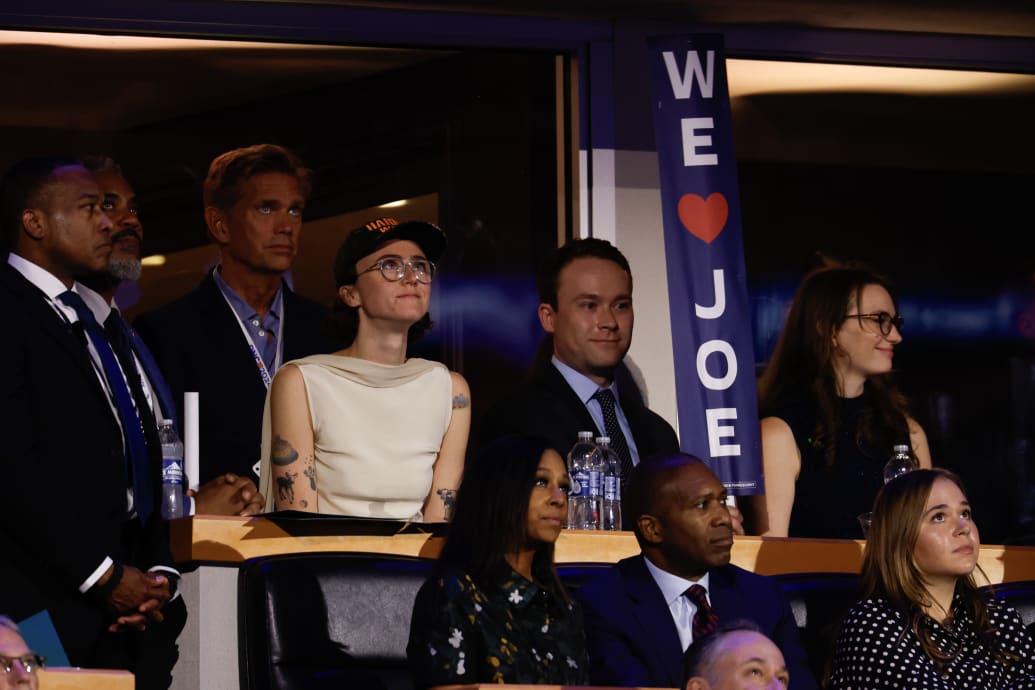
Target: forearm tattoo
448, 497
310, 472
460, 402
282, 453
286, 487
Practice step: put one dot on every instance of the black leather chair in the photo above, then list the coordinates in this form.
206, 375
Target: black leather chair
818, 602
327, 620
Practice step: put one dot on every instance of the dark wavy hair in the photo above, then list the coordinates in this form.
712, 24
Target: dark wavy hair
889, 567
490, 519
802, 365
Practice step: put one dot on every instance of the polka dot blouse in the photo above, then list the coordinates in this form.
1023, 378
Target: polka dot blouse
876, 651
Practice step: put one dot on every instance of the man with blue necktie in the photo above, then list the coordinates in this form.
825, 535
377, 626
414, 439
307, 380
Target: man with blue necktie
79, 532
228, 494
586, 308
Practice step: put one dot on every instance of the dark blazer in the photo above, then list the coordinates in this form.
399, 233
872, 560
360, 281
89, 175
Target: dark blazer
633, 640
64, 474
198, 345
546, 405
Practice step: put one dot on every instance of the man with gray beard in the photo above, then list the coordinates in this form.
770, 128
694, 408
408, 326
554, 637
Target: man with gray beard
228, 494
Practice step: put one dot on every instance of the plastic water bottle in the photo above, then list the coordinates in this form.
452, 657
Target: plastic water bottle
900, 463
584, 468
611, 510
172, 470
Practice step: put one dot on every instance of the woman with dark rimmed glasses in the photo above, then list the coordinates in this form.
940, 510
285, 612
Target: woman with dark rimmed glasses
830, 411
368, 431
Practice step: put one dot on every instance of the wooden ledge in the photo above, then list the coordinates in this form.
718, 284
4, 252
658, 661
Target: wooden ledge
232, 540
61, 678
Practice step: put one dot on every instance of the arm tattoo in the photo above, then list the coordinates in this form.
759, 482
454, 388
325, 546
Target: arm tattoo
286, 487
310, 472
448, 497
282, 453
460, 402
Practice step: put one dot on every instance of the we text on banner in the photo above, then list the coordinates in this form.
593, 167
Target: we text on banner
708, 300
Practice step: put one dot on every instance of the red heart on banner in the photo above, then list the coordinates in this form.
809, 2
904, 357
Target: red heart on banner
704, 218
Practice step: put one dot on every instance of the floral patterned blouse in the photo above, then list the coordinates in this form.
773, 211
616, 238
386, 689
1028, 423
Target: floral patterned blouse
875, 651
516, 632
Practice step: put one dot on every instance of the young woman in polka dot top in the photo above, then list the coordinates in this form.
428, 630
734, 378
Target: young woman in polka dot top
924, 623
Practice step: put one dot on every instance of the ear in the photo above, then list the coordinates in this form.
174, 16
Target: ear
697, 683
546, 315
650, 528
349, 296
216, 222
33, 223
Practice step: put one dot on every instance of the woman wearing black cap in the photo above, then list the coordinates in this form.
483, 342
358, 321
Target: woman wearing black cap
366, 431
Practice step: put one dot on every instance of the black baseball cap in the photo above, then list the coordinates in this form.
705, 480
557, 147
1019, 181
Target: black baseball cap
365, 239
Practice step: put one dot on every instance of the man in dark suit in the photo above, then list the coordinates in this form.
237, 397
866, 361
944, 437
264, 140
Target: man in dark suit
77, 536
585, 294
642, 615
227, 494
227, 338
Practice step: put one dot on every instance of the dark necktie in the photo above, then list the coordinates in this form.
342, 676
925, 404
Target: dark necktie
132, 426
124, 338
705, 620
618, 443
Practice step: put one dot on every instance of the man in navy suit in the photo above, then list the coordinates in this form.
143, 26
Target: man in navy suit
227, 338
586, 308
641, 616
74, 539
228, 494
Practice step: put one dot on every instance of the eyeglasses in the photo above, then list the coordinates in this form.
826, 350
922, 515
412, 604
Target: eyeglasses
883, 319
30, 662
393, 268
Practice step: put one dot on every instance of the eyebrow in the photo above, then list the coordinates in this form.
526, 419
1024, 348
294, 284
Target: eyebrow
760, 660
945, 506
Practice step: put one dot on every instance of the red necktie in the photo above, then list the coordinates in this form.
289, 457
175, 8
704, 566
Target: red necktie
705, 620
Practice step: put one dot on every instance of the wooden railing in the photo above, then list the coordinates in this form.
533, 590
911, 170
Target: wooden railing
229, 540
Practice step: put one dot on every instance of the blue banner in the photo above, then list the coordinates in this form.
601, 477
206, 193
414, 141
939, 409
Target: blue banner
707, 285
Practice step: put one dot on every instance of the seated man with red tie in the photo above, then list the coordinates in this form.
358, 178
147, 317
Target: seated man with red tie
643, 614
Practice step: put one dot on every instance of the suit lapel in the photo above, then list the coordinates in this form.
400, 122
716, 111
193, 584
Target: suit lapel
658, 634
552, 380
39, 312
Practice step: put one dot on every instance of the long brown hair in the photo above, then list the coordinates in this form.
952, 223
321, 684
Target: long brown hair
890, 571
802, 365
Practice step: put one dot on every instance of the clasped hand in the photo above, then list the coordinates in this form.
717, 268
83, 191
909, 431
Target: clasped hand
138, 599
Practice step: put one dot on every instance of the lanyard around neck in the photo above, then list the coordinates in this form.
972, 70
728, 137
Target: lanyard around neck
264, 372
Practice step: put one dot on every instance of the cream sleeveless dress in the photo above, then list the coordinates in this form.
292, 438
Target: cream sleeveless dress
377, 430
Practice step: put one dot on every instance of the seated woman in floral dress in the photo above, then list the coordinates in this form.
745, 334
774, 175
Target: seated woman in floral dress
495, 610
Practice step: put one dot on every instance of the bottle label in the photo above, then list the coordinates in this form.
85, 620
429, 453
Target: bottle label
579, 484
594, 485
612, 488
172, 471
